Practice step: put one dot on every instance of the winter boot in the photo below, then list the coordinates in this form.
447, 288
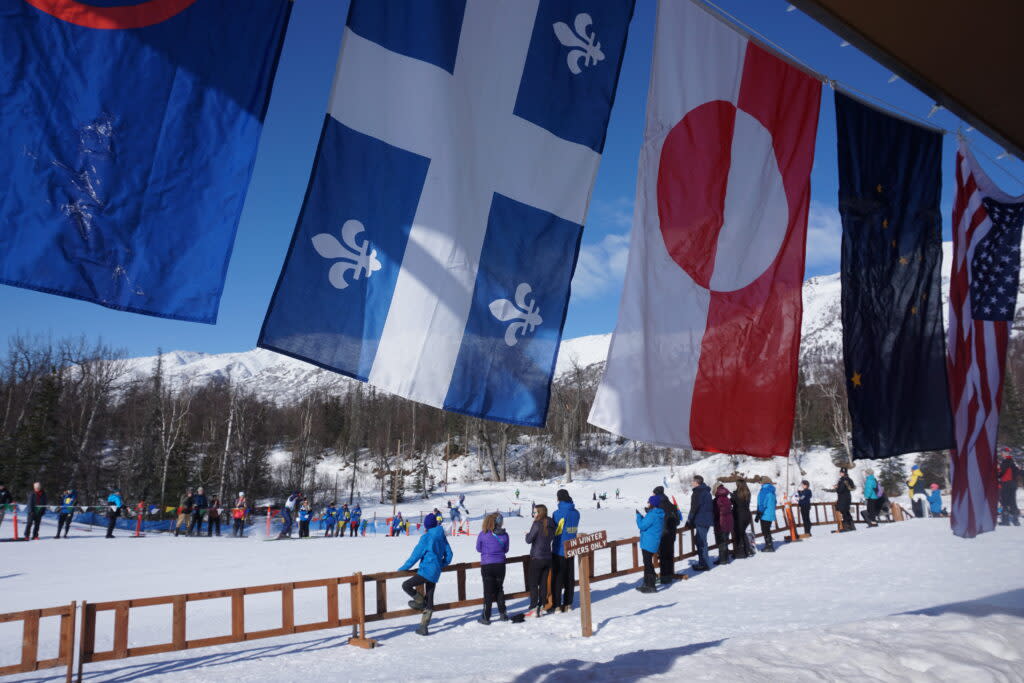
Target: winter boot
769, 547
424, 622
503, 615
485, 618
418, 602
646, 588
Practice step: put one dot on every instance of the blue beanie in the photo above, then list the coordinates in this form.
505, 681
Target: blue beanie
430, 521
916, 467
654, 501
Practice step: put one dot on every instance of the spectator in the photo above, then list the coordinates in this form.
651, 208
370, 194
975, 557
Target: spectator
238, 515
1008, 474
563, 571
804, 501
701, 519
541, 536
742, 545
916, 486
667, 547
651, 525
397, 524
723, 523
433, 554
5, 501
199, 506
305, 517
213, 519
766, 503
842, 489
114, 506
492, 544
935, 501
36, 509
871, 498
67, 511
184, 510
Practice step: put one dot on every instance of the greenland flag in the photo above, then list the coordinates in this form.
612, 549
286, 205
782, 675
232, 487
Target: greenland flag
705, 350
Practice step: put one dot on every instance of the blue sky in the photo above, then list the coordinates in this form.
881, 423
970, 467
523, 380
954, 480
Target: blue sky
289, 142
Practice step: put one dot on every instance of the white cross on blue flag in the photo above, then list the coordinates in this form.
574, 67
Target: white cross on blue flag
437, 241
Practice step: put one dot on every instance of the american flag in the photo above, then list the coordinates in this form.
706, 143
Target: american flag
982, 302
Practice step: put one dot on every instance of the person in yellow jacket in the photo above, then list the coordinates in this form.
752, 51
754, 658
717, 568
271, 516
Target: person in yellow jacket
915, 486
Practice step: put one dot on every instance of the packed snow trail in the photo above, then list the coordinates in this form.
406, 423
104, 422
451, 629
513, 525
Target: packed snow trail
904, 602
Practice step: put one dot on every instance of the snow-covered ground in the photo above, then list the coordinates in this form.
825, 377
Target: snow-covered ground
902, 602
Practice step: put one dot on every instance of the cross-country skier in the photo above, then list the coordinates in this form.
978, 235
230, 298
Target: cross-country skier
344, 519
36, 509
199, 506
433, 554
305, 517
462, 502
563, 570
238, 514
651, 525
114, 505
213, 519
766, 503
357, 516
396, 524
184, 510
67, 511
331, 520
287, 513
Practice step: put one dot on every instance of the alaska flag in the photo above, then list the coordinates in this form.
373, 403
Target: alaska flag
893, 345
437, 241
128, 133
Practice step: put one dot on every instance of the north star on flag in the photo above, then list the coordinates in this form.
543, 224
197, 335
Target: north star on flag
984, 283
128, 134
705, 351
437, 241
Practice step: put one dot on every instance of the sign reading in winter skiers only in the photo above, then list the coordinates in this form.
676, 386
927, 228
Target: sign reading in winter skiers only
582, 547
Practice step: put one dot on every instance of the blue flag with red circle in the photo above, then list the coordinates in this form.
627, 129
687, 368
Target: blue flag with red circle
128, 134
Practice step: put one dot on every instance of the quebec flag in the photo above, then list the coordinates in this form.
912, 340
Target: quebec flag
439, 234
128, 133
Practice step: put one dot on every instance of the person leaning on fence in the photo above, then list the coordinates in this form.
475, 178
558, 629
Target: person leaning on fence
36, 509
492, 544
742, 545
563, 570
651, 524
804, 496
184, 510
114, 506
541, 537
199, 506
766, 503
723, 523
213, 519
667, 546
871, 498
433, 554
701, 519
843, 489
67, 511
238, 514
5, 501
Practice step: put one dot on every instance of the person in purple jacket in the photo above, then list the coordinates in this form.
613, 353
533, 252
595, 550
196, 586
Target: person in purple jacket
492, 544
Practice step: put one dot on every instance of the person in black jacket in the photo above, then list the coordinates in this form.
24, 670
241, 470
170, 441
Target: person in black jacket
1008, 474
842, 490
667, 549
540, 537
36, 509
804, 501
741, 520
213, 519
5, 500
701, 519
199, 505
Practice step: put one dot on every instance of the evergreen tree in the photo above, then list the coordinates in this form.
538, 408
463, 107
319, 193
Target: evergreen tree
934, 468
892, 477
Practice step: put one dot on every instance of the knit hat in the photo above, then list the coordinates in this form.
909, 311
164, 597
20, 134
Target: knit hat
563, 496
916, 467
842, 470
869, 471
430, 521
934, 487
1007, 454
654, 501
659, 490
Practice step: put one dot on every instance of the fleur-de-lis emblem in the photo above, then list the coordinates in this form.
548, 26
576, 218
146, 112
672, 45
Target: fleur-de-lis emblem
586, 49
352, 256
526, 313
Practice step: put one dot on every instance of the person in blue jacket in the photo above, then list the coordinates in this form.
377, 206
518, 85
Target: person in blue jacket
67, 511
344, 517
396, 525
433, 554
766, 513
114, 505
305, 517
871, 498
935, 501
701, 519
330, 519
651, 525
357, 514
563, 571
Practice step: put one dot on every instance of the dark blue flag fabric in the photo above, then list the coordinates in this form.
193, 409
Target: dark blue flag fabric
128, 133
893, 344
436, 245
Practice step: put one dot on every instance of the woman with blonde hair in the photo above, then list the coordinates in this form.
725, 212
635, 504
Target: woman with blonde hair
492, 544
540, 537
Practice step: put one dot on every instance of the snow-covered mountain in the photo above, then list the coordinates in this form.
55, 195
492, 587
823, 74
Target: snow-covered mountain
281, 378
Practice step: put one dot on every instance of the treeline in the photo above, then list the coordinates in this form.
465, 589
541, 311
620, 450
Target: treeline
74, 416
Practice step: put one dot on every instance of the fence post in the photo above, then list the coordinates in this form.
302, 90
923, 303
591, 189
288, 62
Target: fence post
359, 614
67, 640
461, 578
586, 567
268, 521
15, 506
30, 640
84, 639
838, 517
791, 523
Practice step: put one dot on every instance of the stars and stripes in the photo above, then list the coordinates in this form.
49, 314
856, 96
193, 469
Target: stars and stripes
986, 258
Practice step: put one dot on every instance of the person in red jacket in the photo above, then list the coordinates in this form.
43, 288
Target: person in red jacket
723, 523
1008, 474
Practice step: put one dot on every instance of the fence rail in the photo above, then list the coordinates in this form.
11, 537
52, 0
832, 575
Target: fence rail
612, 564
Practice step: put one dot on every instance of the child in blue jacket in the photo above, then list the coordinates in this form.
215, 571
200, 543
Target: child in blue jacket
434, 554
766, 513
935, 501
650, 525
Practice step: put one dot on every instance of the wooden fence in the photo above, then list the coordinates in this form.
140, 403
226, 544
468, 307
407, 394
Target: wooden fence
613, 563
